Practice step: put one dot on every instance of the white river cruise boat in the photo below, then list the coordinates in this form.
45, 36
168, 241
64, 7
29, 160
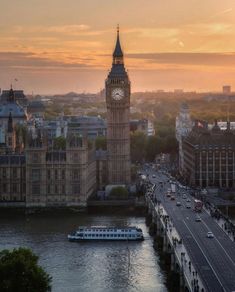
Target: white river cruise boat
106, 233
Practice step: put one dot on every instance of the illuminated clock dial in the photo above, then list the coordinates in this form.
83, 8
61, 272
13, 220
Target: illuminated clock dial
117, 93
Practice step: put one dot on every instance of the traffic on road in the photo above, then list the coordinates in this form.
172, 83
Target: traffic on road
209, 246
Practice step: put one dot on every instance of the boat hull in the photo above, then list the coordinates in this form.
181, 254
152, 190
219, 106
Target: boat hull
74, 239
80, 240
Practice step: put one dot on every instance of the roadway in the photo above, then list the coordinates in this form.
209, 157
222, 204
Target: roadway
214, 258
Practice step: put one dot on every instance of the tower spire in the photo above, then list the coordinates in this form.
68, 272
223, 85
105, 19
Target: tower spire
10, 124
11, 96
118, 54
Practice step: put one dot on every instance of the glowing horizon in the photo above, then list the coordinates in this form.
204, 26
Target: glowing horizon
55, 47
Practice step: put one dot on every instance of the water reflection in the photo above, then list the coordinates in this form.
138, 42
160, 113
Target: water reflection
86, 266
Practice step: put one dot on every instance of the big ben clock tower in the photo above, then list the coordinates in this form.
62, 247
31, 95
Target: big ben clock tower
117, 87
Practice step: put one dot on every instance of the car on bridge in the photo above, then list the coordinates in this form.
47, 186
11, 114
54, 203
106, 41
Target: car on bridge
210, 234
198, 205
188, 205
198, 219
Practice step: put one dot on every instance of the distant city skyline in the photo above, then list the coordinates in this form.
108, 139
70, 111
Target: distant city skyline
60, 46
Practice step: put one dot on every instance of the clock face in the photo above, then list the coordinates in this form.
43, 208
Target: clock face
117, 93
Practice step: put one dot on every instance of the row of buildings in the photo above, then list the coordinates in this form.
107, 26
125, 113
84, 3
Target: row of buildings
93, 126
39, 173
43, 177
34, 173
206, 151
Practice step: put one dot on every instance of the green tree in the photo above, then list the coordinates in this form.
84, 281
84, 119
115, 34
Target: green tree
153, 147
19, 271
59, 143
171, 144
21, 132
101, 143
138, 146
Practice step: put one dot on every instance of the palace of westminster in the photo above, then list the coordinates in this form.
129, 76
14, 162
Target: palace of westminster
34, 173
37, 174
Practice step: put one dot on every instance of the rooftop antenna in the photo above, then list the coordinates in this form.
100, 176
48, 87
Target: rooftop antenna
14, 81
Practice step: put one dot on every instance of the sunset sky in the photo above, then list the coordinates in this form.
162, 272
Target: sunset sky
57, 46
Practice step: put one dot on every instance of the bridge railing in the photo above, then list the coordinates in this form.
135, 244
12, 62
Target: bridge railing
181, 254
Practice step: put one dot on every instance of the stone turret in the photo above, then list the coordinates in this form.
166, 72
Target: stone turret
10, 135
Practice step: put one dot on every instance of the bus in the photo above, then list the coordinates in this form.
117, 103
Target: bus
198, 205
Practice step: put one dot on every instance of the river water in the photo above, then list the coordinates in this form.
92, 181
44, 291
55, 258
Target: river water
86, 266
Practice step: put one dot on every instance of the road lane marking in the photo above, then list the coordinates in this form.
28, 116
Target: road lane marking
219, 244
204, 254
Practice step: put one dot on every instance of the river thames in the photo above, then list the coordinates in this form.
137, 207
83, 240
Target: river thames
86, 266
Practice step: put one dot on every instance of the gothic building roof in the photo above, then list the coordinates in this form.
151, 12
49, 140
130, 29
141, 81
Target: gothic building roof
118, 50
10, 105
10, 124
13, 108
203, 137
18, 94
118, 68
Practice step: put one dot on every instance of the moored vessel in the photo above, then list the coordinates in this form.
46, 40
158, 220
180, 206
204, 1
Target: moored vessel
107, 233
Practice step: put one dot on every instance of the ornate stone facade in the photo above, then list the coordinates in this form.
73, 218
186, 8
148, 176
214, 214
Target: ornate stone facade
59, 177
12, 178
45, 177
118, 120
